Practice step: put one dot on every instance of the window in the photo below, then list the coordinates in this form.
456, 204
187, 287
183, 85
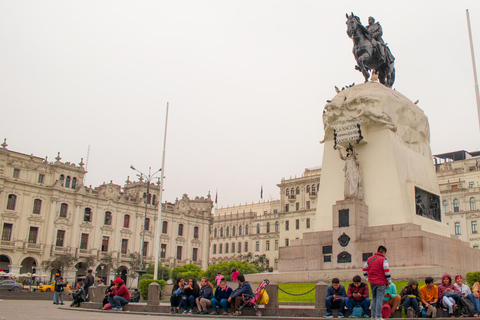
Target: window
60, 237
74, 183
11, 202
308, 189
277, 226
239, 247
287, 207
215, 232
292, 191
286, 242
87, 216
275, 210
308, 223
445, 206
62, 178
456, 206
297, 206
258, 228
84, 241
474, 227
240, 230
220, 248
221, 232
126, 221
154, 200
16, 173
195, 254
308, 205
457, 228
163, 251
233, 247
124, 246
268, 227
267, 245
226, 247
267, 262
67, 182
287, 192
227, 232
63, 210
164, 227
32, 235
214, 249
147, 224
180, 230
471, 184
37, 206
108, 218
233, 231
313, 188
246, 247
246, 230
41, 177
105, 244
472, 204
297, 191
276, 244
276, 264
297, 224
287, 225
7, 231
257, 246
179, 252
145, 249
195, 232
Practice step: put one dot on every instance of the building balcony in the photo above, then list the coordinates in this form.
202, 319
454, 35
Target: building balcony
313, 194
292, 197
61, 250
32, 247
7, 245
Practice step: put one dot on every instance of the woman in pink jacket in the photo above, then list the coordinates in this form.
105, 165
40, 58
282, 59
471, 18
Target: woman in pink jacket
448, 294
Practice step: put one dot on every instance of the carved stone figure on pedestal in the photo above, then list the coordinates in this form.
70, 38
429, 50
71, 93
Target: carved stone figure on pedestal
353, 175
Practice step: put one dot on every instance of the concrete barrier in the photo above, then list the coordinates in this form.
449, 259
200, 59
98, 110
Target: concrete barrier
153, 294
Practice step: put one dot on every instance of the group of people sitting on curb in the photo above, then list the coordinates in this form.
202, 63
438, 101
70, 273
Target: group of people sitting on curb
456, 299
190, 295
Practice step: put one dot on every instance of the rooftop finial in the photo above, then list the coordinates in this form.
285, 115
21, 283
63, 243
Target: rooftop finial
58, 157
4, 144
128, 180
81, 164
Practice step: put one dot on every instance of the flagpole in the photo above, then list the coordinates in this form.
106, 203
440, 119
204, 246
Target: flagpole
159, 218
477, 95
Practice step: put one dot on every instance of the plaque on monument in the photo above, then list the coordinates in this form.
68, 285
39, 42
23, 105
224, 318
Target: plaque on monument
343, 218
345, 134
327, 258
344, 257
365, 256
427, 204
327, 250
344, 239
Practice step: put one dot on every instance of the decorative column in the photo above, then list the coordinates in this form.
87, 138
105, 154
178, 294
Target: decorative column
74, 243
50, 235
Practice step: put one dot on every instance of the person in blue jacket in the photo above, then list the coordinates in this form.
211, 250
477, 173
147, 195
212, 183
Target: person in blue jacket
222, 293
205, 296
335, 299
236, 298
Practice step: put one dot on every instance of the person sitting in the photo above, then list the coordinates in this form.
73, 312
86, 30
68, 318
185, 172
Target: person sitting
222, 293
357, 295
464, 290
177, 295
448, 294
392, 298
429, 295
205, 296
135, 297
119, 295
476, 298
236, 298
410, 295
335, 299
107, 292
78, 296
191, 293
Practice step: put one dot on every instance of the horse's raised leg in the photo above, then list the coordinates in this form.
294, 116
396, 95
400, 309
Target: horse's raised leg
363, 69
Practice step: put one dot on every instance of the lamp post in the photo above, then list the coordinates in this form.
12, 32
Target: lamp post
148, 179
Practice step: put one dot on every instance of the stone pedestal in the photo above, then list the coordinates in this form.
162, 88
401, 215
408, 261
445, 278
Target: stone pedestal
153, 294
272, 291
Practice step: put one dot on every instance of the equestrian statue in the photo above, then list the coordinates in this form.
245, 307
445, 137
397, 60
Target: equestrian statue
370, 50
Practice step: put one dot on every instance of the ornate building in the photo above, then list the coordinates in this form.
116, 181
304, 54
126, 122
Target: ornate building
46, 211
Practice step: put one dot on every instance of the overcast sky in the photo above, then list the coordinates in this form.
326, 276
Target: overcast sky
246, 80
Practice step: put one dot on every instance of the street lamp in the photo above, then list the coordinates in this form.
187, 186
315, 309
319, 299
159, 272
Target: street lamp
148, 179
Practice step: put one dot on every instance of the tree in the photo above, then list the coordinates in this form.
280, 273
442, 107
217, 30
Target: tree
59, 263
187, 271
226, 268
163, 272
257, 260
108, 261
134, 265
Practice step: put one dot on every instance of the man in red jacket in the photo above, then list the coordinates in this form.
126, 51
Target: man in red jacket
119, 296
377, 272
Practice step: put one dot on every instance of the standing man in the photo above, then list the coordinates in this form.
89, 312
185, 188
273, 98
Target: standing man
89, 280
377, 272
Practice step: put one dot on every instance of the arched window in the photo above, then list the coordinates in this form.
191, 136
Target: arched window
268, 227
313, 188
195, 232
147, 224
445, 206
164, 227
227, 232
108, 218
297, 191
277, 226
37, 206
62, 177
12, 201
233, 231
456, 205
292, 191
180, 230
221, 232
215, 232
308, 189
472, 204
87, 215
63, 210
154, 199
287, 192
258, 228
126, 221
74, 183
67, 182
246, 230
149, 198
239, 230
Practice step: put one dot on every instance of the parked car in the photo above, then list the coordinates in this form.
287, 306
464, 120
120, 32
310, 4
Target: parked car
10, 285
50, 287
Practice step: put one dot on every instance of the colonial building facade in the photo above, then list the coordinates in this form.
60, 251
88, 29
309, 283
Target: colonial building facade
46, 211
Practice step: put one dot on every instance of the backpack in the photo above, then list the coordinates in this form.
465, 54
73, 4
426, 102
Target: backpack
357, 312
410, 313
424, 313
465, 307
264, 298
386, 310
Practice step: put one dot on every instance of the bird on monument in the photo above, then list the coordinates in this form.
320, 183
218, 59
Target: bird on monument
416, 102
336, 89
329, 101
345, 98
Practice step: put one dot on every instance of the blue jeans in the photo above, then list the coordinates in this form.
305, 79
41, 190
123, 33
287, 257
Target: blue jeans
378, 292
223, 303
475, 301
330, 304
411, 302
365, 304
188, 301
54, 296
117, 301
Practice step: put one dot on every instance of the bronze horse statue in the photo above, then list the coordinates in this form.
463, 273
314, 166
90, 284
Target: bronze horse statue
370, 51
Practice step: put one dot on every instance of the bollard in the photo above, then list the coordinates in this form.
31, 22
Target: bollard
153, 294
320, 295
96, 294
272, 291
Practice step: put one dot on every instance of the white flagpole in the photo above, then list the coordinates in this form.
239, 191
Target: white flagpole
477, 95
159, 218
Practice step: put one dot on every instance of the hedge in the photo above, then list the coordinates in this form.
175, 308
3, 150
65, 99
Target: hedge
143, 287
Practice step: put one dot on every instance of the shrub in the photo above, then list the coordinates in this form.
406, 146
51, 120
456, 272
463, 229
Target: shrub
473, 277
226, 269
187, 271
143, 287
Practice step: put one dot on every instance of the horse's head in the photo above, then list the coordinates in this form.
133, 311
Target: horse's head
352, 23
